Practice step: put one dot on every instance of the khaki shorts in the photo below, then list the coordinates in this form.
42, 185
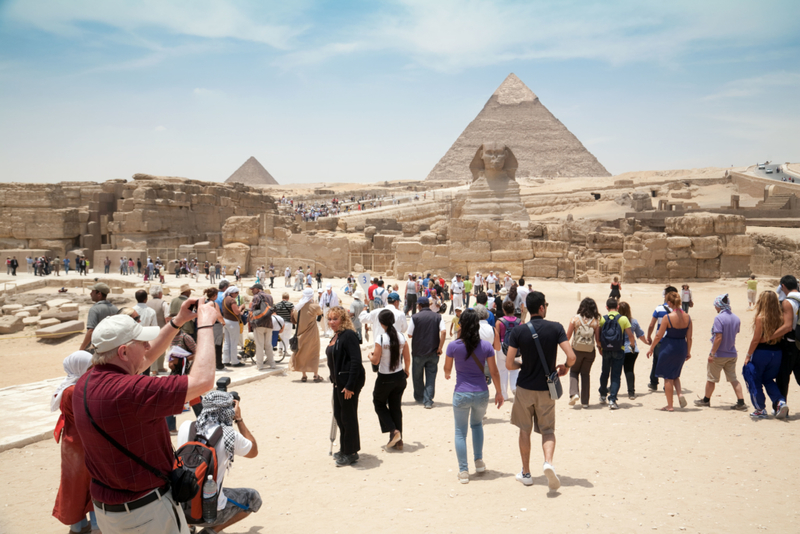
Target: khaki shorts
715, 368
534, 407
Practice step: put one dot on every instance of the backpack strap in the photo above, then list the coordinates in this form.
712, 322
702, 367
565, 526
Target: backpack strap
539, 348
478, 362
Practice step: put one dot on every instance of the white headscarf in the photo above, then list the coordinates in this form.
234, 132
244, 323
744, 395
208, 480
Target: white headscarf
231, 289
308, 296
75, 365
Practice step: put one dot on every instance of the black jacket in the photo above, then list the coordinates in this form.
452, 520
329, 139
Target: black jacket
345, 366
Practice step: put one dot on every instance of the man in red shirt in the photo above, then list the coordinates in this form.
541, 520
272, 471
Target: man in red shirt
370, 292
132, 408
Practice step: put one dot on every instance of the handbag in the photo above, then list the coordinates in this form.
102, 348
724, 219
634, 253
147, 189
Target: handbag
293, 344
553, 380
238, 318
181, 480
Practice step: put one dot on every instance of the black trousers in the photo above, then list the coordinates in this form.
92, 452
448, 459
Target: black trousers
387, 397
790, 363
411, 304
630, 379
346, 414
218, 351
653, 378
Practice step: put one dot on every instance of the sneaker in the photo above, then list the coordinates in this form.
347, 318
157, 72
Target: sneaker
428, 406
480, 466
741, 407
584, 405
603, 400
702, 402
632, 396
346, 459
574, 400
552, 479
337, 455
613, 405
240, 364
652, 387
463, 477
783, 410
525, 478
759, 414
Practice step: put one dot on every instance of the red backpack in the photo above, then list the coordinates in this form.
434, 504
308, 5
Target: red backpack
199, 455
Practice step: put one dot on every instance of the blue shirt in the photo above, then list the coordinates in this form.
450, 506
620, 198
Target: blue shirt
659, 313
637, 332
491, 320
727, 324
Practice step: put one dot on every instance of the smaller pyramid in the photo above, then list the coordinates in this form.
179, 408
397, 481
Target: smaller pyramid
252, 173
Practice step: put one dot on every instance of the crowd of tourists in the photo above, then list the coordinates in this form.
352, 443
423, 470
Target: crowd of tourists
503, 338
46, 266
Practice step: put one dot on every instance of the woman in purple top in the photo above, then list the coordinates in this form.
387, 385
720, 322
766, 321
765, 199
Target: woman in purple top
471, 396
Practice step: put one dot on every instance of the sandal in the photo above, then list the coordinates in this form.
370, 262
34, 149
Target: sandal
317, 378
304, 379
667, 409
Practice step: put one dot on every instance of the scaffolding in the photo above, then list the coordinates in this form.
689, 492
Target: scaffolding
373, 262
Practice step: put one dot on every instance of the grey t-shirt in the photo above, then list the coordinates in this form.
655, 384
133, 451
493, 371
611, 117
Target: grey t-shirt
356, 308
98, 312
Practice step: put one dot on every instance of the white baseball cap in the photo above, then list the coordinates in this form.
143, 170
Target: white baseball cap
115, 331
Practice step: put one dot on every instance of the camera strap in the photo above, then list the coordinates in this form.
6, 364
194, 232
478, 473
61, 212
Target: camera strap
116, 444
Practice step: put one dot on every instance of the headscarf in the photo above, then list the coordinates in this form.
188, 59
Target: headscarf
218, 410
308, 296
75, 365
231, 289
718, 302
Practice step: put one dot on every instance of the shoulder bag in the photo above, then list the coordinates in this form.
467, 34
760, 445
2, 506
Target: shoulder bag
553, 380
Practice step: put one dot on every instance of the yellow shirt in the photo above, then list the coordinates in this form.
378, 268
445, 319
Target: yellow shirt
624, 323
456, 322
752, 284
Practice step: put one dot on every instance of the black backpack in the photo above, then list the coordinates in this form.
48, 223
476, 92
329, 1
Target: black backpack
509, 328
611, 335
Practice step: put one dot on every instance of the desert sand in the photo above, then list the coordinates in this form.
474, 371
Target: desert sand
633, 470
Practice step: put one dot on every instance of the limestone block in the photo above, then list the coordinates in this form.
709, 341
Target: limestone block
559, 232
678, 242
61, 315
441, 251
550, 249
23, 314
653, 240
428, 238
730, 224
27, 321
604, 241
33, 310
469, 249
44, 323
413, 247
541, 268
71, 307
328, 223
235, 254
685, 268
10, 324
61, 330
641, 201
678, 253
631, 254
383, 242
511, 255
56, 303
117, 290
687, 194
11, 309
45, 223
694, 224
370, 231
240, 230
427, 255
705, 248
738, 245
582, 279
634, 263
566, 269
708, 268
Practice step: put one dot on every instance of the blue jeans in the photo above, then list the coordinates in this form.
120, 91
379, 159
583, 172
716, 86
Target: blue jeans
427, 366
469, 409
760, 373
613, 361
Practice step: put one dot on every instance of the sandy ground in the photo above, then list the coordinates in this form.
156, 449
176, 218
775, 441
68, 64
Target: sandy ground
637, 469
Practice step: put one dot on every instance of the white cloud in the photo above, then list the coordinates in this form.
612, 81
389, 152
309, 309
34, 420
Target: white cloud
747, 87
256, 22
160, 128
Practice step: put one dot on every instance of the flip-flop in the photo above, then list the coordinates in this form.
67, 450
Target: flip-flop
304, 379
682, 401
667, 409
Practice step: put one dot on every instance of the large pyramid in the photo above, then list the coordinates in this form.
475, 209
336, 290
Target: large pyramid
515, 117
252, 173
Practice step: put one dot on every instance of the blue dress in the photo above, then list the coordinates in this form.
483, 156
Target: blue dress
673, 351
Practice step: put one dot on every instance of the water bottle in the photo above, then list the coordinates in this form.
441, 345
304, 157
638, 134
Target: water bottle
209, 500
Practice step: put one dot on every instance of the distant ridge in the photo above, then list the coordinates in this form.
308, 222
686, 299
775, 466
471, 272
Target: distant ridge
252, 173
515, 117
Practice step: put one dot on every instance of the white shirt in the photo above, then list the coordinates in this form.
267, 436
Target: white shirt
458, 288
380, 294
147, 316
287, 273
491, 279
241, 447
795, 307
386, 353
329, 300
478, 281
486, 332
508, 282
277, 322
400, 322
523, 293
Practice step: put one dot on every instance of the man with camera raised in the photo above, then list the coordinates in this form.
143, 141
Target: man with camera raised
120, 416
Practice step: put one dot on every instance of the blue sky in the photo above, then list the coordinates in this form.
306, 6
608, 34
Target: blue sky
367, 91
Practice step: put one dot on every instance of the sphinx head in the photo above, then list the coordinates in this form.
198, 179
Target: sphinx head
493, 160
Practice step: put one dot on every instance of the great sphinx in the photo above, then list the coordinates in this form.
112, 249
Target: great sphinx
494, 191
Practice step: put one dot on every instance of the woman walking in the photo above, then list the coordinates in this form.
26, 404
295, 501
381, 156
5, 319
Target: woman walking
232, 316
686, 298
393, 359
471, 355
675, 336
306, 358
583, 330
615, 289
631, 352
73, 500
348, 377
502, 327
763, 359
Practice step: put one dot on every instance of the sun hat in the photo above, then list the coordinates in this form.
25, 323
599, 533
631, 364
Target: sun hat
117, 330
186, 287
393, 297
102, 288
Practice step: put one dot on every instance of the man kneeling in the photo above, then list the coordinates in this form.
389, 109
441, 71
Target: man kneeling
221, 410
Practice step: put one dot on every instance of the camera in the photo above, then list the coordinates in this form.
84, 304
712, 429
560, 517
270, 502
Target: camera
222, 385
